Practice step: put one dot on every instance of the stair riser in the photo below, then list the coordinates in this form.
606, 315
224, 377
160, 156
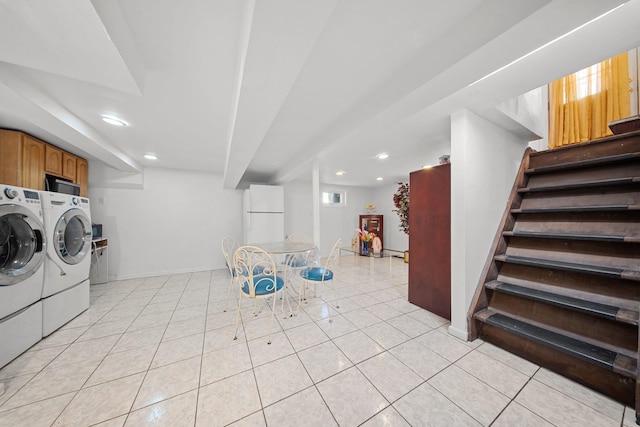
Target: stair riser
616, 386
623, 255
625, 223
625, 293
616, 145
585, 327
584, 176
578, 198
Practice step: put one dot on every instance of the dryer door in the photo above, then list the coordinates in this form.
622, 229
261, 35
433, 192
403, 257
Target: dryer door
72, 236
21, 244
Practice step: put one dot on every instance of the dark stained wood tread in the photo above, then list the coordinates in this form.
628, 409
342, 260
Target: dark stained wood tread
573, 236
584, 184
583, 163
592, 208
570, 303
591, 353
617, 273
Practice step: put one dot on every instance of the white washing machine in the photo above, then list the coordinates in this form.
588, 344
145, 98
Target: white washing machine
22, 253
65, 291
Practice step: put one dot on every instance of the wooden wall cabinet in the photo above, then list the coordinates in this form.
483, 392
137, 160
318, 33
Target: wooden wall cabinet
25, 160
82, 176
33, 154
374, 224
430, 240
21, 160
69, 166
53, 160
11, 144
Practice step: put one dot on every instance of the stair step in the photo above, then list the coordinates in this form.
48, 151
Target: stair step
573, 236
571, 303
583, 163
585, 351
584, 184
617, 273
592, 208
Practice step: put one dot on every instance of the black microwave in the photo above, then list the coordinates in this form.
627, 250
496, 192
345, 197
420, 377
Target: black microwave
61, 186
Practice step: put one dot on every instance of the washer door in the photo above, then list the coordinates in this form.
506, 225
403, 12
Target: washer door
21, 244
72, 236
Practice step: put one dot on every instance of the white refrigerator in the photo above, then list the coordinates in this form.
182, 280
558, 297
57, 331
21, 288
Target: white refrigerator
263, 214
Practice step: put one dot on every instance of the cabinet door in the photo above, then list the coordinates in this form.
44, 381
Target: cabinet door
10, 157
82, 176
69, 166
33, 155
53, 160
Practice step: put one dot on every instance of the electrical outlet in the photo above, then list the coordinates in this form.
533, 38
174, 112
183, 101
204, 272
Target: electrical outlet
101, 200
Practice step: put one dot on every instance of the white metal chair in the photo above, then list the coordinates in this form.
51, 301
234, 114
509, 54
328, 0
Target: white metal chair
229, 246
257, 278
322, 274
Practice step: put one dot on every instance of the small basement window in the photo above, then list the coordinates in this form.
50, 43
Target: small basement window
334, 198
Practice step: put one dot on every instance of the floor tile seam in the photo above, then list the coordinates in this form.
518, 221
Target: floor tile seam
380, 391
384, 409
449, 363
588, 405
247, 416
131, 409
82, 387
458, 406
315, 385
513, 401
384, 321
484, 382
50, 362
19, 374
146, 373
38, 401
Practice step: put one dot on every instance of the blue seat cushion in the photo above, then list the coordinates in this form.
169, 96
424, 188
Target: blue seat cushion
316, 273
263, 284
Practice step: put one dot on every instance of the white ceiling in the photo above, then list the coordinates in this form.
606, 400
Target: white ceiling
255, 90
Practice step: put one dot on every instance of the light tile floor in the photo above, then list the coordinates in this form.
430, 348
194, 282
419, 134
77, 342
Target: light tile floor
160, 351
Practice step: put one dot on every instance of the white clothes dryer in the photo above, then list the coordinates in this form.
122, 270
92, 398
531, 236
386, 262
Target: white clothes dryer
65, 292
22, 253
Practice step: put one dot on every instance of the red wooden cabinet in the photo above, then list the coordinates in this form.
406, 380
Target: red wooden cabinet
430, 239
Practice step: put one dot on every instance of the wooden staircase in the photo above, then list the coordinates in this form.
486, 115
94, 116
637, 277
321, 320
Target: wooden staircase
561, 286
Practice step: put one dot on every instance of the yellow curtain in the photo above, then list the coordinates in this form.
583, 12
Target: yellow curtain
582, 105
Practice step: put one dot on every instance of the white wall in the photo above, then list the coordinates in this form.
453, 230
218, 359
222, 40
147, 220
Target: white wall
173, 223
298, 208
485, 160
335, 221
394, 237
341, 222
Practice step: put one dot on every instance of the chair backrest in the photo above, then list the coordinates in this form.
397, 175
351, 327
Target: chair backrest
229, 246
253, 266
333, 255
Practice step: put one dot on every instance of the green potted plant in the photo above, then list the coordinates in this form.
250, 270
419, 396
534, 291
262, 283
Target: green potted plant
401, 201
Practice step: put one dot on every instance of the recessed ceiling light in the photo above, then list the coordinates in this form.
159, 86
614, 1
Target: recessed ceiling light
382, 156
115, 121
340, 173
151, 157
379, 178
